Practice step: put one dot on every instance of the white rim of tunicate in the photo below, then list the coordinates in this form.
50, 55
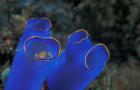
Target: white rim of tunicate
43, 18
59, 48
82, 39
90, 50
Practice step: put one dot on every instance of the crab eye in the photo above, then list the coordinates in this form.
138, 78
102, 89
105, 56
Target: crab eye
42, 48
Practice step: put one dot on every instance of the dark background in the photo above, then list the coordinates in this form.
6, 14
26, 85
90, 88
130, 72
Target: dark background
115, 23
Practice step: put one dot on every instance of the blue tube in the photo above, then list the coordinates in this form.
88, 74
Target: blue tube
35, 27
35, 56
81, 63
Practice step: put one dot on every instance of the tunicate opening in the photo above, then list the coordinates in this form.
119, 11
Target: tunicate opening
97, 57
78, 36
42, 48
38, 24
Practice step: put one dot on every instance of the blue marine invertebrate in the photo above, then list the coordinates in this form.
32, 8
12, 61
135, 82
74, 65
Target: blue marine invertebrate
36, 53
35, 27
81, 63
37, 59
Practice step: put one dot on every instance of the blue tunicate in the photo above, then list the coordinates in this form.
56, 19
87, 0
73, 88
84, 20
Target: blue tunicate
31, 63
37, 60
81, 63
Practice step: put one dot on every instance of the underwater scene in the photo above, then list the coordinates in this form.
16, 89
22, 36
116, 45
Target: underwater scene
69, 45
